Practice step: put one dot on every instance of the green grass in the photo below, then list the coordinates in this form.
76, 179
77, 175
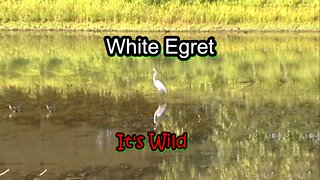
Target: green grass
152, 15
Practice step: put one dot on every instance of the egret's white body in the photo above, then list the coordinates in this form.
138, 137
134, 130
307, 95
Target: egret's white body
157, 83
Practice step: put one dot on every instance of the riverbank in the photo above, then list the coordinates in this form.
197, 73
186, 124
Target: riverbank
111, 15
101, 26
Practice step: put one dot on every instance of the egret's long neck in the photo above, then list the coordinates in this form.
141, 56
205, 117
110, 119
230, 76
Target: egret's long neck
154, 76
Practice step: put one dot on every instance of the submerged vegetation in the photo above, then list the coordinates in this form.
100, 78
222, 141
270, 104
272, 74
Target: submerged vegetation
156, 15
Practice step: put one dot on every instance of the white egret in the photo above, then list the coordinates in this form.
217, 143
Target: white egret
157, 83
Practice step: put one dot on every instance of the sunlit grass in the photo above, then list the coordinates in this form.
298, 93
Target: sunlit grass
146, 15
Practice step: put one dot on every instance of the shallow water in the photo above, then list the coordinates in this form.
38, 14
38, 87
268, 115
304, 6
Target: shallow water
252, 112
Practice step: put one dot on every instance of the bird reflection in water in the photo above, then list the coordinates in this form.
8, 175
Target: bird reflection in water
158, 113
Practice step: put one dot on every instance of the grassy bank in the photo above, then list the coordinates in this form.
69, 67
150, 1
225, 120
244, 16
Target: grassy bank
151, 15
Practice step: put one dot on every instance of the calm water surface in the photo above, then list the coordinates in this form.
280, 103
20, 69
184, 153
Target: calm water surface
251, 113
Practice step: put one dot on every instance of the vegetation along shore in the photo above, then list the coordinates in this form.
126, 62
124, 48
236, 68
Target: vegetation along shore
156, 15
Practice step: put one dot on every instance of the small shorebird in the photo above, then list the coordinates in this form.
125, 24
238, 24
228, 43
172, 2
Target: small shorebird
51, 109
14, 109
